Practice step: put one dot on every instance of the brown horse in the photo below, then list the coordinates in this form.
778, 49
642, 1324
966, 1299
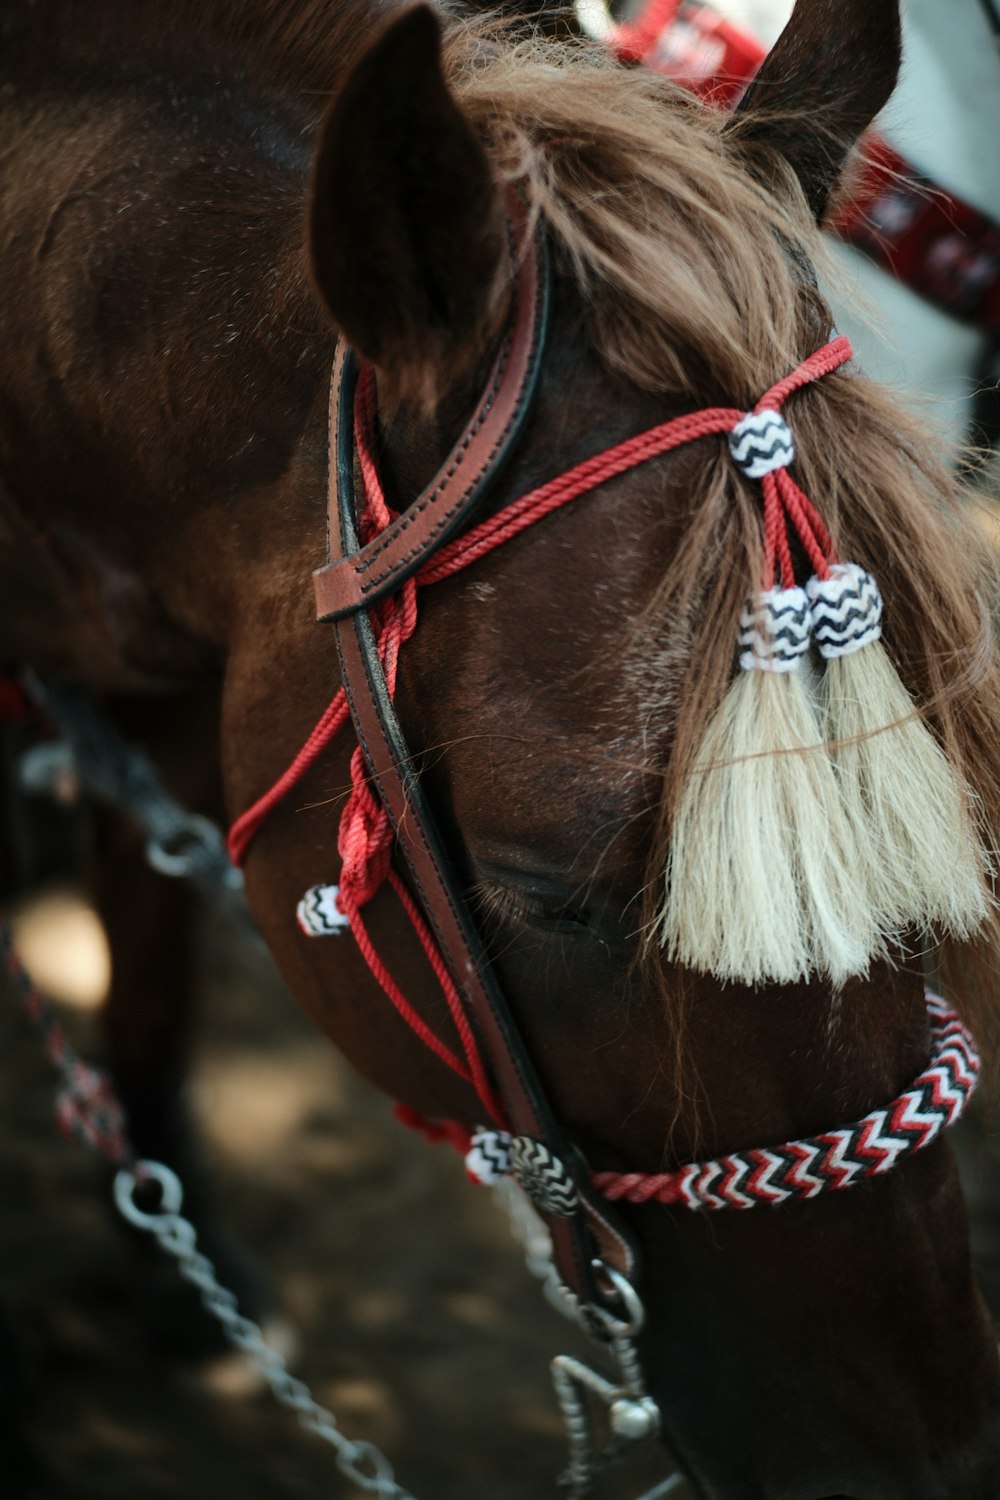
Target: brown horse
166, 351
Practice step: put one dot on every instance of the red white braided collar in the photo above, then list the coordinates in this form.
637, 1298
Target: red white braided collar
829, 1162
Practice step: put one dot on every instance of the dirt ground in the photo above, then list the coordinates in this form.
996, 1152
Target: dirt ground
415, 1317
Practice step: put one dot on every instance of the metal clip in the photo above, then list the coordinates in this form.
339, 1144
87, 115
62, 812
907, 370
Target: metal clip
632, 1412
189, 848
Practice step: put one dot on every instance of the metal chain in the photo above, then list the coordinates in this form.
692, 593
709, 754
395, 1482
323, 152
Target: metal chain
88, 1109
360, 1461
179, 843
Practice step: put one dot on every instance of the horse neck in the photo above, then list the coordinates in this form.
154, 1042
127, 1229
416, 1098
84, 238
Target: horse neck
163, 368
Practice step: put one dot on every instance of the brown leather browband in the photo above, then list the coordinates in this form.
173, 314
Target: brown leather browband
346, 587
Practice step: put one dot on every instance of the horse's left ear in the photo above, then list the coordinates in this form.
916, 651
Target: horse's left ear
831, 71
406, 229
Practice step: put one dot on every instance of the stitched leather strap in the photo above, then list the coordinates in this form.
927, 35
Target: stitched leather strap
358, 579
388, 757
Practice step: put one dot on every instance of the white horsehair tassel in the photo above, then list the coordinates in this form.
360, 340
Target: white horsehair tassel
760, 884
921, 861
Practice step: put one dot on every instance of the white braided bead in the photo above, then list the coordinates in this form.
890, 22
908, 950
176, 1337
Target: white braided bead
488, 1157
775, 631
846, 610
318, 913
761, 443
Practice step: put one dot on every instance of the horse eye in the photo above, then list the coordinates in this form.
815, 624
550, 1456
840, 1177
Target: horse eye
532, 908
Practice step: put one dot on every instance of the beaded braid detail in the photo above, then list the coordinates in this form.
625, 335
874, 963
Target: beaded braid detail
840, 608
835, 1160
803, 1169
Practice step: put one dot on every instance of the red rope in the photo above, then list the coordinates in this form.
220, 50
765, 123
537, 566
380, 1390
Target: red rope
365, 838
247, 825
823, 362
537, 504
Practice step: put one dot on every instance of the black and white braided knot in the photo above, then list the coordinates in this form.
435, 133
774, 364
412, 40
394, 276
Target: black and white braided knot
775, 630
761, 443
318, 914
487, 1160
546, 1180
845, 609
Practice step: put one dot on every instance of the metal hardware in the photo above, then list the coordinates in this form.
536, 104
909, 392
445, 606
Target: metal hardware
179, 844
362, 1463
632, 1413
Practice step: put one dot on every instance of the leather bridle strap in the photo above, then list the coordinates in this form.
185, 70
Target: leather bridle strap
344, 590
358, 577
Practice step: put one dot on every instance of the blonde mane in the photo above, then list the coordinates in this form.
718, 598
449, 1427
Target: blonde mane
689, 242
690, 252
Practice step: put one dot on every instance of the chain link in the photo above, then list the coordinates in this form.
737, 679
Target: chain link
360, 1461
180, 844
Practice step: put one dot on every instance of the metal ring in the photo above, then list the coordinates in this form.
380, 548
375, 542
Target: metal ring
635, 1313
181, 852
171, 1193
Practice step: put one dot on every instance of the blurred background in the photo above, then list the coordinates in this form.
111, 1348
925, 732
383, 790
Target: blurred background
401, 1289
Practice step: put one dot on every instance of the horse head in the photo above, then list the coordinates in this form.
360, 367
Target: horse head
711, 942
557, 692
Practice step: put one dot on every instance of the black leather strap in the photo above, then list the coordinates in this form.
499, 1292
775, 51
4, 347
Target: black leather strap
593, 1229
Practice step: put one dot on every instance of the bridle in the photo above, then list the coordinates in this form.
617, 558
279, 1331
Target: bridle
367, 591
358, 577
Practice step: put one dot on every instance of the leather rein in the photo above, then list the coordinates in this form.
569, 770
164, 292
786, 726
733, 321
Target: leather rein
360, 576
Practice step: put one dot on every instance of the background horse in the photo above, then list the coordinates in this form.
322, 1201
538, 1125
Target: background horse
163, 447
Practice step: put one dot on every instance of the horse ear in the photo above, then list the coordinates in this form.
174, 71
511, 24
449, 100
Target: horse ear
830, 72
406, 229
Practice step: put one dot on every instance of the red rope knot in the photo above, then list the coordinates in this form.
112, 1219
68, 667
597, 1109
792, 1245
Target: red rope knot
365, 840
777, 626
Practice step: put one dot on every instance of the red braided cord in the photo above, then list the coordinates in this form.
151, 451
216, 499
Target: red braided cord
776, 548
514, 519
782, 496
537, 504
480, 1078
805, 516
244, 830
823, 362
379, 971
377, 514
365, 838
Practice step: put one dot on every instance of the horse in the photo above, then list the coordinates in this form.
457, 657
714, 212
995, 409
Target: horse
927, 333
568, 695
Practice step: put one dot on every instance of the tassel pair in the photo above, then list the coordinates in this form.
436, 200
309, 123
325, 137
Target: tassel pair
821, 820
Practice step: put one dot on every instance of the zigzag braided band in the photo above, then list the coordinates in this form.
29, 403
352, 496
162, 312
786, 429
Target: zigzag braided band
836, 1159
845, 610
775, 630
829, 1162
